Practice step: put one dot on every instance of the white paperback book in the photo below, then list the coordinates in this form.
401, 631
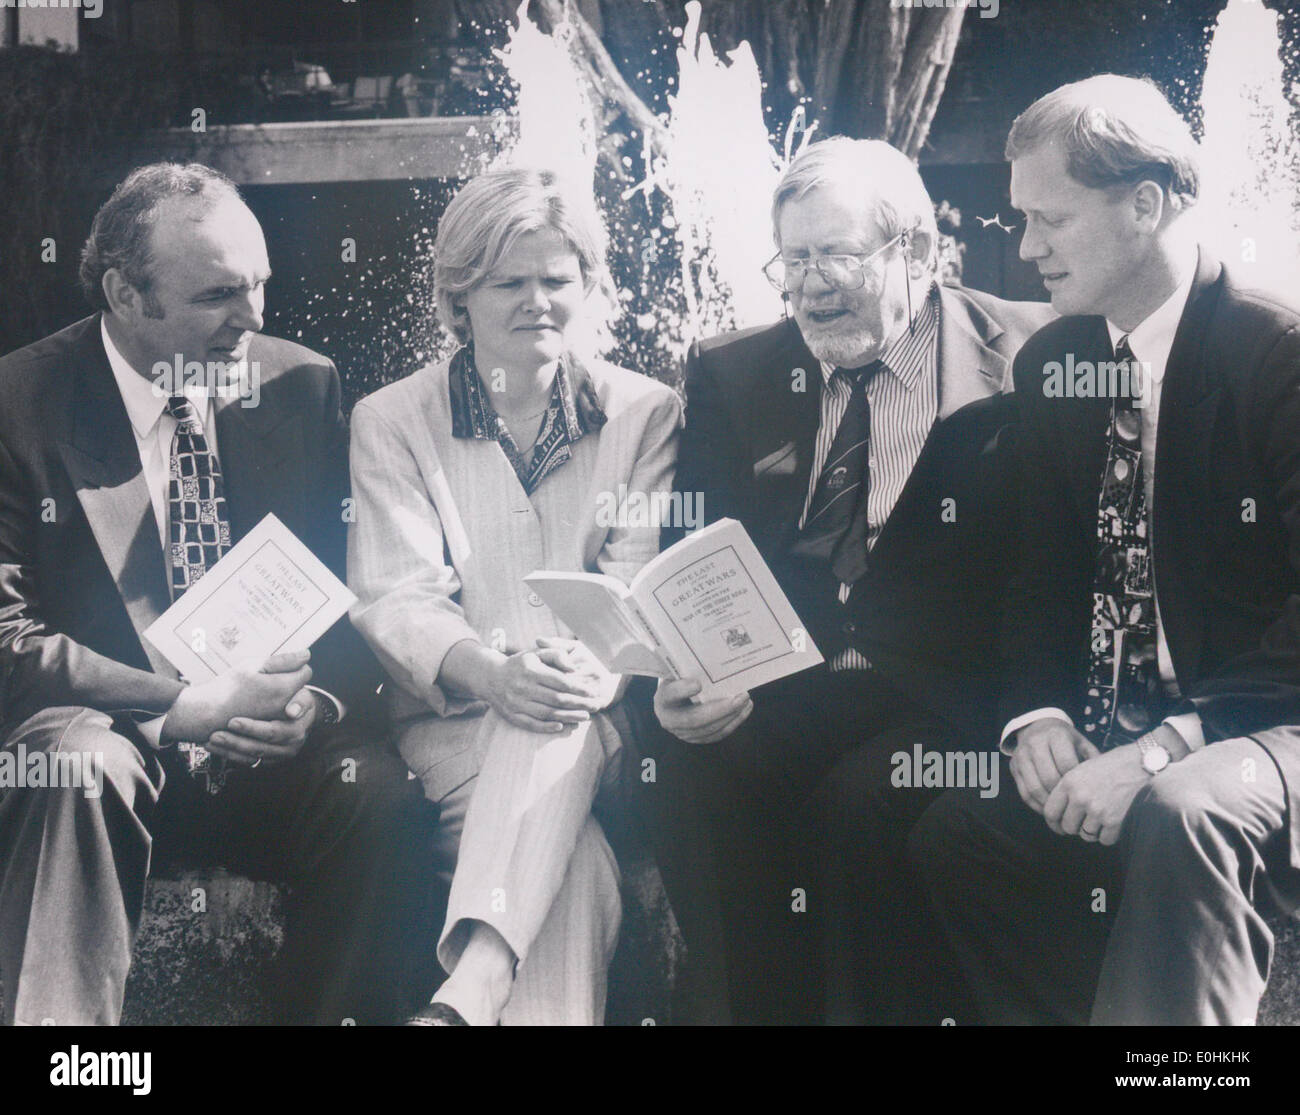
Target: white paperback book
707, 608
268, 595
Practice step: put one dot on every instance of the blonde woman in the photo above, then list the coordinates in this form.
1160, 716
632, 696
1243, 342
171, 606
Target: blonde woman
468, 475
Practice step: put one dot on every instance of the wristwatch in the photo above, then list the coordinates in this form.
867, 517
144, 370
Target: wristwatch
327, 712
1154, 755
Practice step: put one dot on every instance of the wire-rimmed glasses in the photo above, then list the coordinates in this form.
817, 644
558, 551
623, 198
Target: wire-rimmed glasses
843, 271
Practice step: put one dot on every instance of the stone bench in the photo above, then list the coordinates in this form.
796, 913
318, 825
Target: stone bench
210, 967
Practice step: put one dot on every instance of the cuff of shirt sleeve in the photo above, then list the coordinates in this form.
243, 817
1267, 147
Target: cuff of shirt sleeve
340, 709
151, 729
1006, 746
1188, 725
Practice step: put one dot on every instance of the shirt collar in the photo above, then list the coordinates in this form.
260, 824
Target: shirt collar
144, 404
904, 357
145, 399
1153, 338
474, 416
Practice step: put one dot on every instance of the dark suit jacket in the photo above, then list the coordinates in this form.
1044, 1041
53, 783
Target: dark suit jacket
77, 590
1227, 571
925, 614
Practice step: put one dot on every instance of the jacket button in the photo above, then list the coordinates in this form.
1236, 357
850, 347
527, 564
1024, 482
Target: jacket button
534, 600
850, 628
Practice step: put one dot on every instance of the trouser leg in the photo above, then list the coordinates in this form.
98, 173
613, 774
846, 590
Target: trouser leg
886, 960
352, 837
1026, 911
758, 790
1205, 854
666, 799
73, 865
534, 865
563, 981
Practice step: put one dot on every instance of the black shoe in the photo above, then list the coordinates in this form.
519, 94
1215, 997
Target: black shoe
436, 1014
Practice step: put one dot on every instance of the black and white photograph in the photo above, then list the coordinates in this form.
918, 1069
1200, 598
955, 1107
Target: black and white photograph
747, 514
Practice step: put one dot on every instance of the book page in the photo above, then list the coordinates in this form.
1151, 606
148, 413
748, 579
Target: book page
721, 615
268, 594
594, 607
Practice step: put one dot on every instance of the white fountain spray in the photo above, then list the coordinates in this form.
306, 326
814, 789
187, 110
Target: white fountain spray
719, 171
555, 122
713, 162
1251, 162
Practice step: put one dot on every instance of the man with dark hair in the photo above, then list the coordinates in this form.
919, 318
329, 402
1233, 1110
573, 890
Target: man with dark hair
861, 446
1152, 712
120, 486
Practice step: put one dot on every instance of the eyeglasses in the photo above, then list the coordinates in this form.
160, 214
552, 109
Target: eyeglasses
842, 271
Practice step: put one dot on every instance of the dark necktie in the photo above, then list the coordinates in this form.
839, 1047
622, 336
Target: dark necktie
836, 525
199, 534
1122, 696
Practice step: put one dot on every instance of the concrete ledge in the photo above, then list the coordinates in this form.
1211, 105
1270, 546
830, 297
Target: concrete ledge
334, 150
212, 965
1281, 1003
208, 942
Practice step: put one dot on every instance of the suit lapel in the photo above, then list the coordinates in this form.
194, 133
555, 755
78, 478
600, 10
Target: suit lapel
103, 464
1189, 404
784, 423
1085, 422
969, 369
261, 455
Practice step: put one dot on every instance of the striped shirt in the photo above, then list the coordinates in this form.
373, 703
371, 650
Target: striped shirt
904, 401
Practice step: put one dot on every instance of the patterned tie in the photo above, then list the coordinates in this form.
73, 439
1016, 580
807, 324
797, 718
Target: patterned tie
836, 526
199, 534
1122, 696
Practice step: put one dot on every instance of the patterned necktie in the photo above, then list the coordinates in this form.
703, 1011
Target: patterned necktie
836, 526
199, 534
1122, 695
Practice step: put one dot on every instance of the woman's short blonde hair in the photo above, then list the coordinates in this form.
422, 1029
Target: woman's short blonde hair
489, 213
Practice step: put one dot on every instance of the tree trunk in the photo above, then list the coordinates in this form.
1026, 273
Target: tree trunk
862, 67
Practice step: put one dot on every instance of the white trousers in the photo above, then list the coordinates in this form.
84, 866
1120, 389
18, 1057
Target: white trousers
531, 861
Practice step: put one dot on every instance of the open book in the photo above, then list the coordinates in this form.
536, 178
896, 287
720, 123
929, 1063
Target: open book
707, 608
269, 594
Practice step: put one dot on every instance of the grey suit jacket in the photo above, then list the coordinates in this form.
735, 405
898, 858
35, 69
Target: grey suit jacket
82, 573
927, 612
445, 533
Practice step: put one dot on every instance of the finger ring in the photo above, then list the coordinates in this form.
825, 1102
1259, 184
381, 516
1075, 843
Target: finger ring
1082, 832
258, 763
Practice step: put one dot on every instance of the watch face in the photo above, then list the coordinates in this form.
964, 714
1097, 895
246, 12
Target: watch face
1154, 759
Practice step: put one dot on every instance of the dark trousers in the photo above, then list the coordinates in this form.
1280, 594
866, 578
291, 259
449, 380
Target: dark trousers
783, 852
1166, 927
340, 824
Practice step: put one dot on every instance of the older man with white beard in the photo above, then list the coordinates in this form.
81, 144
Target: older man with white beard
862, 444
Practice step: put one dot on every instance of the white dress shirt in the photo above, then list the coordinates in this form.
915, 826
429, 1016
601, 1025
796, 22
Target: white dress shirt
1151, 342
155, 429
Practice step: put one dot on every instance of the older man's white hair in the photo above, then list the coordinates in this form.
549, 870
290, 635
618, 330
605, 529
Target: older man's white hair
893, 195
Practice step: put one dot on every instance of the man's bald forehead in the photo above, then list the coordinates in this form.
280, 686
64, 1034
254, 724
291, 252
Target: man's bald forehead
179, 220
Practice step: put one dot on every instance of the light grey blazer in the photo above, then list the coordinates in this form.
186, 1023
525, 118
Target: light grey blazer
444, 533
